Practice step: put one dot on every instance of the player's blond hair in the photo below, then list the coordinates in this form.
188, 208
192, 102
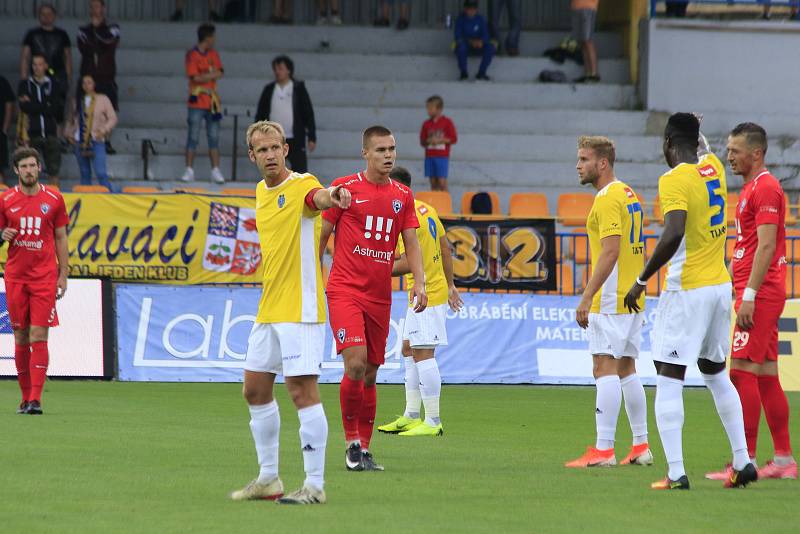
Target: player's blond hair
602, 146
265, 127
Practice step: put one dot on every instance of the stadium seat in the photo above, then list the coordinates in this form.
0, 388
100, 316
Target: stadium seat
238, 192
565, 279
90, 189
197, 190
733, 202
140, 189
528, 205
730, 244
573, 208
657, 215
793, 245
441, 201
580, 247
792, 281
466, 202
650, 240
656, 283
790, 219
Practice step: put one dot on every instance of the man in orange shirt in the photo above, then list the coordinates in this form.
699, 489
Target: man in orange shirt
584, 20
204, 68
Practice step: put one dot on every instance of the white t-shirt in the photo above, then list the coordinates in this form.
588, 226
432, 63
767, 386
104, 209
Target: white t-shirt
281, 110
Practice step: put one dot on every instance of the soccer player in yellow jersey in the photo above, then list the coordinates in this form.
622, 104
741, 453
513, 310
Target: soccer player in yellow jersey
425, 331
616, 242
289, 331
693, 319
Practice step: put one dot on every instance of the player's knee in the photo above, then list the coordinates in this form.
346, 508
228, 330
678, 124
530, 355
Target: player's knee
256, 396
37, 334
603, 365
21, 337
710, 368
356, 369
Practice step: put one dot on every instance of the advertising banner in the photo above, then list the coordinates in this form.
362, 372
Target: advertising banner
503, 253
200, 334
81, 346
163, 238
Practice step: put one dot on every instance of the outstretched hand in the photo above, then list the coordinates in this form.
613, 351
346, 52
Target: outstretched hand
340, 197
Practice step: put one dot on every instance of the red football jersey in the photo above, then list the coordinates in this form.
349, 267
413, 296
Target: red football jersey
442, 126
32, 253
761, 202
366, 236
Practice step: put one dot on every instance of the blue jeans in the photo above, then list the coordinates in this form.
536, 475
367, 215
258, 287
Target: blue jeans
463, 49
98, 160
195, 120
514, 24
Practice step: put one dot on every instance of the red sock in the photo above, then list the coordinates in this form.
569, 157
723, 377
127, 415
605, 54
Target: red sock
747, 385
22, 358
776, 408
38, 367
351, 395
367, 420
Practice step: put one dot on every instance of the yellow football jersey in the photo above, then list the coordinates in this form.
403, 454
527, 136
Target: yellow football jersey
289, 234
616, 211
701, 191
429, 233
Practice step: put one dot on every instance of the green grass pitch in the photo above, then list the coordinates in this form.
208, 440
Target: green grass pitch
123, 457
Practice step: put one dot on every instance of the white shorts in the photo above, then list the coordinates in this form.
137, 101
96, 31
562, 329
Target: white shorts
692, 324
618, 335
426, 329
288, 349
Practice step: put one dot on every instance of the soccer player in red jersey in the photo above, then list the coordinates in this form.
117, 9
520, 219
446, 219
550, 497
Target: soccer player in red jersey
360, 284
33, 219
759, 278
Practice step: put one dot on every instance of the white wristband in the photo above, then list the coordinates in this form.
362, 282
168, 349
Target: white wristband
640, 282
749, 295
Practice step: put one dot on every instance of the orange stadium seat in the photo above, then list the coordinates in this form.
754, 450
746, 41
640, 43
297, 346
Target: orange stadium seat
3, 186
565, 278
649, 242
573, 208
733, 202
238, 191
793, 245
198, 190
140, 189
466, 202
656, 283
528, 205
90, 189
580, 245
657, 215
790, 219
730, 244
441, 201
792, 281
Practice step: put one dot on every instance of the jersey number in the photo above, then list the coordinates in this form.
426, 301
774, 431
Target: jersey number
715, 199
633, 209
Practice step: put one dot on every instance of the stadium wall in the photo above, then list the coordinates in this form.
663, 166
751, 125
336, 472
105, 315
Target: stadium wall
719, 66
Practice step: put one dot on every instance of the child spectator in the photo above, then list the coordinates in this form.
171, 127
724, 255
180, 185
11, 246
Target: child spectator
436, 135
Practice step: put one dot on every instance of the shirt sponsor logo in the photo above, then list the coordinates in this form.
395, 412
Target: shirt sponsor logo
30, 225
380, 255
378, 228
769, 209
397, 205
707, 170
30, 245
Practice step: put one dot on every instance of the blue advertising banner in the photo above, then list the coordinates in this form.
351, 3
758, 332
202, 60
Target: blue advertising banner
198, 334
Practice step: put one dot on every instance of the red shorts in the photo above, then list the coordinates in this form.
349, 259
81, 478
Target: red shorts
356, 321
760, 343
31, 304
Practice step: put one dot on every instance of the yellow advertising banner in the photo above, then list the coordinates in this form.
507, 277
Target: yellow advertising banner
789, 346
163, 238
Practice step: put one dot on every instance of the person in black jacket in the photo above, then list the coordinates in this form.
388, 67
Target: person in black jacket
41, 102
286, 102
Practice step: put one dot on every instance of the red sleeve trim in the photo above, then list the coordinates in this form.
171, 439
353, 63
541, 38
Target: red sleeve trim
310, 199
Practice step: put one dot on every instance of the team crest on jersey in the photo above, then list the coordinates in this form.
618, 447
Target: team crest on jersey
397, 205
281, 201
45, 208
340, 335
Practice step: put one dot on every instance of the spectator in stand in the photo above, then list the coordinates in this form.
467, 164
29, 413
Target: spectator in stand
438, 133
281, 12
383, 19
6, 114
97, 42
514, 24
286, 101
41, 102
472, 39
326, 7
213, 12
93, 118
51, 42
584, 20
204, 68
677, 8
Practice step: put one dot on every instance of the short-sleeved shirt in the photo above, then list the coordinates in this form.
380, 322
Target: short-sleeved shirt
616, 211
197, 63
429, 235
32, 253
699, 189
366, 236
51, 44
288, 230
761, 202
443, 127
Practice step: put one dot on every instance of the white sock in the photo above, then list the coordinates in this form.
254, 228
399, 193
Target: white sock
609, 397
265, 425
729, 408
313, 438
669, 419
413, 397
430, 383
635, 407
